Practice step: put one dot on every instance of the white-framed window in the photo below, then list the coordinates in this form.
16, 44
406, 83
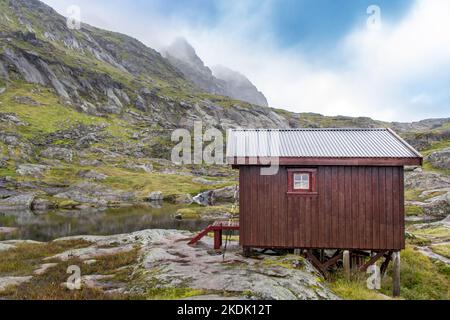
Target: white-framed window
302, 181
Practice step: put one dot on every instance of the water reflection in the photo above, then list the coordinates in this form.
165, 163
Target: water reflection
55, 224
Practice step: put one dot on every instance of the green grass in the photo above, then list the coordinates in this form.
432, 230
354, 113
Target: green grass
443, 250
436, 146
172, 293
142, 183
48, 285
438, 233
421, 279
354, 289
412, 210
429, 167
24, 258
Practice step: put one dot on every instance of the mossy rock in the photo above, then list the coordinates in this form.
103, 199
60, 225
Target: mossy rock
412, 210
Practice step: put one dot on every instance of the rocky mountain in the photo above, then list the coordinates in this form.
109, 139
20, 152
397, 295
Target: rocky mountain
239, 86
220, 80
98, 106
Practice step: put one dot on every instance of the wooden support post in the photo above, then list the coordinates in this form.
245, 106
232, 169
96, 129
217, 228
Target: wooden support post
346, 258
396, 274
247, 251
385, 264
217, 239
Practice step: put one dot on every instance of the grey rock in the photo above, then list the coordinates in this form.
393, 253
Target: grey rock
426, 180
92, 175
166, 261
31, 169
26, 100
40, 204
22, 201
212, 197
58, 153
91, 193
6, 230
224, 81
181, 199
440, 159
44, 268
156, 196
6, 282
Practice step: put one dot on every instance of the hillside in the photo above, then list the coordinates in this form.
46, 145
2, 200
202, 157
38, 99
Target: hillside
86, 118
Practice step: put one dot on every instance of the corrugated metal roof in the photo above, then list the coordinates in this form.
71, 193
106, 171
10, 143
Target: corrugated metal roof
333, 143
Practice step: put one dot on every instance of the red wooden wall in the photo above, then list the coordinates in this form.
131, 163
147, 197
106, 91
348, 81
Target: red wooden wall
356, 207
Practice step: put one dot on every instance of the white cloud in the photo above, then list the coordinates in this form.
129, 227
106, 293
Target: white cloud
374, 79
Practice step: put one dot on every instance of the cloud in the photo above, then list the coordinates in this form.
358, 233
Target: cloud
396, 73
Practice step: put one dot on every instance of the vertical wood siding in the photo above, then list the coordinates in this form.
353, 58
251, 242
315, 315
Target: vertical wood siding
355, 208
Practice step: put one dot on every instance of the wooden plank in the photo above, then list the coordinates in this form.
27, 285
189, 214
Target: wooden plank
376, 209
283, 214
389, 207
402, 208
361, 207
348, 207
396, 209
382, 207
354, 208
274, 213
328, 204
255, 203
368, 212
301, 222
307, 226
342, 216
321, 188
334, 207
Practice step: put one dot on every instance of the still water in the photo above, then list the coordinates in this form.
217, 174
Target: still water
61, 223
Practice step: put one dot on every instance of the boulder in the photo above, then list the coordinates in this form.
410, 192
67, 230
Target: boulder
92, 175
31, 169
40, 204
156, 196
140, 167
22, 201
58, 154
440, 159
181, 199
94, 194
6, 282
426, 180
212, 197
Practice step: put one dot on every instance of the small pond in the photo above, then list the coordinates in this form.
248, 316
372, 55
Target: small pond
61, 223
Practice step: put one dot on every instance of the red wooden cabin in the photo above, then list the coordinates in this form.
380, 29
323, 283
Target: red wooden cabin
334, 189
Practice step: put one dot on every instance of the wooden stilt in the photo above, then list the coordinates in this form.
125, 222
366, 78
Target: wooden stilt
247, 251
217, 239
396, 274
385, 264
346, 258
372, 260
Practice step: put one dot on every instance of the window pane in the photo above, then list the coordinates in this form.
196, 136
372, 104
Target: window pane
301, 181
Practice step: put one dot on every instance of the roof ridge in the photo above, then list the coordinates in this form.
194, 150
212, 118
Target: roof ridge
316, 129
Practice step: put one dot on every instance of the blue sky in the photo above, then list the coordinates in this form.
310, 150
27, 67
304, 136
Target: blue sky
307, 56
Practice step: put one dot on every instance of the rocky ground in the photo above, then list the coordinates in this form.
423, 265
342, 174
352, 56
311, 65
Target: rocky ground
164, 266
